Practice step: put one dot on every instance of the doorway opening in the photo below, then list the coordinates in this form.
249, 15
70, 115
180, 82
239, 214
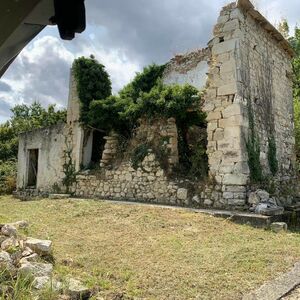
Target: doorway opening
32, 168
98, 146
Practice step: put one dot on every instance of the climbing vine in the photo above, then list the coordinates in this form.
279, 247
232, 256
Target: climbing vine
272, 158
69, 168
253, 148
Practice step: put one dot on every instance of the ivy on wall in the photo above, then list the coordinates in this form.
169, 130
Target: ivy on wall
253, 148
93, 82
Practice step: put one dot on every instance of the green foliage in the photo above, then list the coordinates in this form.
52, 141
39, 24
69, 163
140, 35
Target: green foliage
143, 82
180, 102
8, 171
107, 114
24, 118
297, 127
295, 43
139, 154
93, 83
15, 287
253, 149
199, 161
272, 155
69, 168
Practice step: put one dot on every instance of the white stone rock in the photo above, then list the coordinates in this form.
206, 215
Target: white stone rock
235, 179
9, 230
225, 46
8, 243
227, 89
42, 247
182, 194
196, 199
20, 224
76, 290
36, 269
31, 258
263, 195
208, 202
279, 227
227, 195
5, 261
41, 282
232, 110
253, 198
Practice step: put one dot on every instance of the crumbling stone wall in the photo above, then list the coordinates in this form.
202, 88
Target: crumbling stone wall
149, 182
188, 68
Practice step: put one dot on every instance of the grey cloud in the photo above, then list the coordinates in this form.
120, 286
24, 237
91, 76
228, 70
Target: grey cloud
4, 110
155, 30
48, 77
4, 87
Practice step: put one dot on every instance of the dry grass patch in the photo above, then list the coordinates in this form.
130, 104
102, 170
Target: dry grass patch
155, 253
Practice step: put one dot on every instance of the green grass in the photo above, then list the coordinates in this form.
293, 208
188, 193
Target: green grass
152, 252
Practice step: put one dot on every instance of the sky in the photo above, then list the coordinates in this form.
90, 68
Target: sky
125, 36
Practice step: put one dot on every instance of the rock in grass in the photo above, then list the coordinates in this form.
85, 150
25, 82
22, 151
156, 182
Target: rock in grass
30, 258
279, 227
76, 290
42, 247
20, 224
9, 230
36, 269
9, 243
5, 261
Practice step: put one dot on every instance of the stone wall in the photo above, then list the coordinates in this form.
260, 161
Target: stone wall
149, 183
188, 68
226, 112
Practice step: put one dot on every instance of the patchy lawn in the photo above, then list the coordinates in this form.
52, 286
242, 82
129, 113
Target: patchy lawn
152, 252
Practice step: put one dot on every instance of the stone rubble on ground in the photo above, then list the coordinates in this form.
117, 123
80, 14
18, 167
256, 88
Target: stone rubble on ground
262, 203
28, 256
279, 227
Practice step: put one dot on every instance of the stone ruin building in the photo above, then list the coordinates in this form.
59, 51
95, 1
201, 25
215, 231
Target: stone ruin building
247, 75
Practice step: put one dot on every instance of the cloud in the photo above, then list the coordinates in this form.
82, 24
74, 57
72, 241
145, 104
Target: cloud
4, 110
4, 87
153, 31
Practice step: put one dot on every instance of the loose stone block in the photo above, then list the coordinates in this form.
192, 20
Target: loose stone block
233, 179
279, 227
182, 194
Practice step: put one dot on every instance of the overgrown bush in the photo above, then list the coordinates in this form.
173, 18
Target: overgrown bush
93, 82
8, 171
